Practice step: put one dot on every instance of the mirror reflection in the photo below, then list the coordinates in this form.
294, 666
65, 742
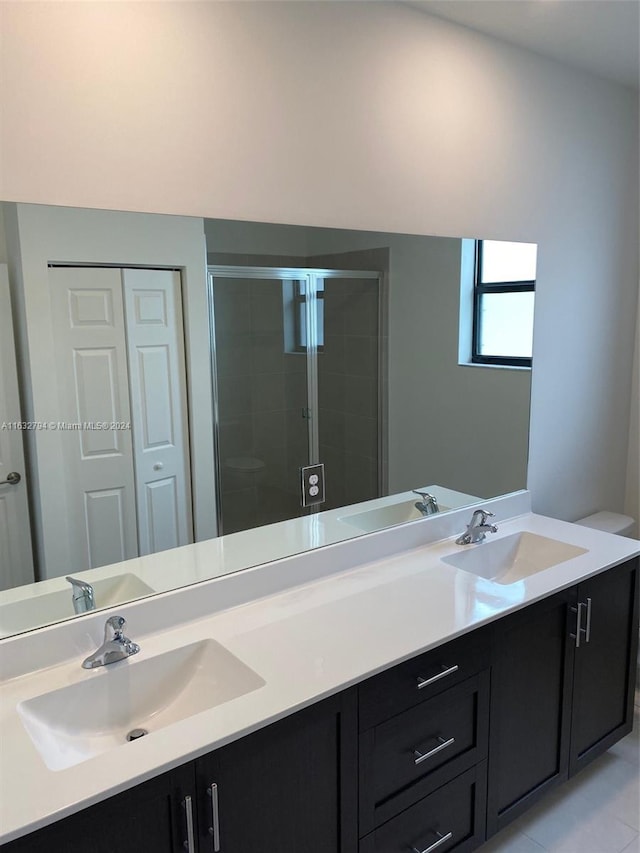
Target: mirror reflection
260, 388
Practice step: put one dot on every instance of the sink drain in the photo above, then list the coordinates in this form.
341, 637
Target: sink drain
134, 734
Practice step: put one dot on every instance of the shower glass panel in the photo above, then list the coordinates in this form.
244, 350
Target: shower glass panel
348, 389
297, 356
261, 394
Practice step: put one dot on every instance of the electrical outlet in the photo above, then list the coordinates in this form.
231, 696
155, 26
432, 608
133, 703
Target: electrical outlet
312, 484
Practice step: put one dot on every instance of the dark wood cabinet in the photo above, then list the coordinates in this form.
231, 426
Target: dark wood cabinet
605, 663
562, 688
436, 753
423, 745
150, 817
531, 688
452, 818
407, 757
419, 679
289, 788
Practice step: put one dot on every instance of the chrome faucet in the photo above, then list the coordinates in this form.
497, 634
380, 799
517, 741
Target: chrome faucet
83, 595
115, 646
429, 503
477, 528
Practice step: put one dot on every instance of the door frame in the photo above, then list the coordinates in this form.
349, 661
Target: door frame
19, 545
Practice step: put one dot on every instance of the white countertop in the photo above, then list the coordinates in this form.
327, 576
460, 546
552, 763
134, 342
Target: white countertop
36, 605
305, 642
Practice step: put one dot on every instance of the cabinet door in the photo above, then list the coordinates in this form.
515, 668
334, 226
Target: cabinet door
450, 819
289, 787
530, 714
151, 816
605, 663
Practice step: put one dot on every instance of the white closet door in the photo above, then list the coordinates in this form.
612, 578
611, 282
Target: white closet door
91, 363
157, 378
16, 559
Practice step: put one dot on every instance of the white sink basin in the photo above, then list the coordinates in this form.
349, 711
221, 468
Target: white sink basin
513, 558
385, 516
37, 610
78, 722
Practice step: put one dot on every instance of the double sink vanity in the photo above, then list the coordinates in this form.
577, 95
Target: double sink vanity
392, 693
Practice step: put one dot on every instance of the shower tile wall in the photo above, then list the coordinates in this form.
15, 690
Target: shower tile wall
348, 391
261, 394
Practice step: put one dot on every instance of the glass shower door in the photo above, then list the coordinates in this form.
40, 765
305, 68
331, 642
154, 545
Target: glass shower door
349, 387
262, 394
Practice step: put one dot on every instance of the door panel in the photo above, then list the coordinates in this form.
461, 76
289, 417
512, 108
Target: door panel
605, 663
348, 389
96, 390
530, 707
16, 561
104, 515
162, 522
149, 818
157, 375
262, 386
91, 367
288, 788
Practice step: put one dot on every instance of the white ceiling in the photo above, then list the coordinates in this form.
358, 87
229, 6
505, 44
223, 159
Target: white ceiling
598, 36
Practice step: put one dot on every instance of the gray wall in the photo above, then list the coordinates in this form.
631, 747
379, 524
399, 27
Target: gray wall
390, 119
457, 426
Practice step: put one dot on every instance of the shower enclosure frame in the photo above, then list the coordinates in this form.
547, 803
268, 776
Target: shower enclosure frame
310, 276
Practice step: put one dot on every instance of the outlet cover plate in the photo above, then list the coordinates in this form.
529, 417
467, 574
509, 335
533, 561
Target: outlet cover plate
312, 484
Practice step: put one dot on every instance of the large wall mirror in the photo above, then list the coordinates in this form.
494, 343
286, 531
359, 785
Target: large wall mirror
165, 379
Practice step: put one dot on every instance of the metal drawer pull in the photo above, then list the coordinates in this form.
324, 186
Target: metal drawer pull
441, 840
214, 829
189, 844
424, 682
587, 633
420, 757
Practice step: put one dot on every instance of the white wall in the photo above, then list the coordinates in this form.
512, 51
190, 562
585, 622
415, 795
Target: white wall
363, 115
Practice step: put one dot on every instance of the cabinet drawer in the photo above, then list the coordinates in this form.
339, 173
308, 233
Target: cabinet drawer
409, 756
420, 678
452, 818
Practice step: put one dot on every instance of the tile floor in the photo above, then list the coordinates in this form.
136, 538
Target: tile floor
596, 812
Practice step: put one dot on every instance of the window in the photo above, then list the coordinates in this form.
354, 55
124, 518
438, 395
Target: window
503, 297
300, 300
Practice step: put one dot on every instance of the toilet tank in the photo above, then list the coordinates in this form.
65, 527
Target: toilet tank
609, 522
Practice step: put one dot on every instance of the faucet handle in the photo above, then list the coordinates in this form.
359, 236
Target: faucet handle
113, 628
78, 585
83, 596
483, 514
424, 494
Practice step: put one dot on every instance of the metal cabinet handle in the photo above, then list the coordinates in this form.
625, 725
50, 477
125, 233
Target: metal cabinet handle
424, 682
214, 829
13, 479
422, 756
441, 840
579, 629
587, 630
189, 844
